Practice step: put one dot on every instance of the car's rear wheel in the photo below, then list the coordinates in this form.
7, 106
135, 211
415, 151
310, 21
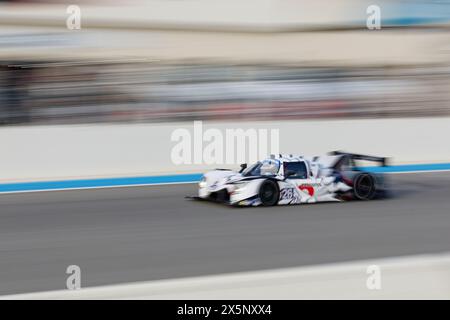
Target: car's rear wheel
364, 186
269, 193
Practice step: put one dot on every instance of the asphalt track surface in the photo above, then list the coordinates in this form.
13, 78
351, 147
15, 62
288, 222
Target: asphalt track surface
132, 234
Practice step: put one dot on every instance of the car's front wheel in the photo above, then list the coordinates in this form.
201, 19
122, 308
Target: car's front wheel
269, 193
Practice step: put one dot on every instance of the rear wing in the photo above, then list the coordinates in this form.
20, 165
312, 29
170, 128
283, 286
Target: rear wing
355, 156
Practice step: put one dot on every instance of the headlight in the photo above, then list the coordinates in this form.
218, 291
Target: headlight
202, 183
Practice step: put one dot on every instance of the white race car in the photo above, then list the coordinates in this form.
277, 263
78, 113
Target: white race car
281, 180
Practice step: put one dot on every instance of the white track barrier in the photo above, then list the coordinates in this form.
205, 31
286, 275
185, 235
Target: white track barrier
110, 150
414, 277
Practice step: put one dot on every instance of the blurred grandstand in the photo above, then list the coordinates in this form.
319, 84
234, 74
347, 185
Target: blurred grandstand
128, 66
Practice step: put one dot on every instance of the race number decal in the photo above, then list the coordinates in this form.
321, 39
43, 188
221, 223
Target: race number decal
287, 194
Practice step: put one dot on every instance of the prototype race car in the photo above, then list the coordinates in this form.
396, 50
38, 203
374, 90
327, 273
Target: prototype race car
281, 180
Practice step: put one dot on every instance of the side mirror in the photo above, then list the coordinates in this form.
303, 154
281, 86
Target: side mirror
289, 173
243, 167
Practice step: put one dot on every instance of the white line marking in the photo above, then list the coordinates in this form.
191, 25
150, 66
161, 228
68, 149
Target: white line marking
101, 187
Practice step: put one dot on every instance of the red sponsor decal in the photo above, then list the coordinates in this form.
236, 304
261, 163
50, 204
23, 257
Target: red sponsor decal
308, 188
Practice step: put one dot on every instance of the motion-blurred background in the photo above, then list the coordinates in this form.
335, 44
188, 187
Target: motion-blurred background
97, 107
173, 60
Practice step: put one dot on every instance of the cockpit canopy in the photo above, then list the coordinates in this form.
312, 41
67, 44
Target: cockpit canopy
268, 167
271, 167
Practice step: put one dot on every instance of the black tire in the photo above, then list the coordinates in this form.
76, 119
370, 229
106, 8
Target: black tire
269, 193
364, 186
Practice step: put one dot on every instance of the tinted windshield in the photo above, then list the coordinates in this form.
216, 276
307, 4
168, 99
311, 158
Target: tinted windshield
253, 170
265, 168
298, 169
